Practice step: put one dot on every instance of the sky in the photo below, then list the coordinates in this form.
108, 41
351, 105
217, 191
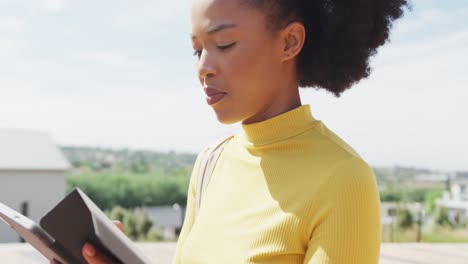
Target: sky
121, 74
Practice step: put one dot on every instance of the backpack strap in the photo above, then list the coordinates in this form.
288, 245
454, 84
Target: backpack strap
207, 165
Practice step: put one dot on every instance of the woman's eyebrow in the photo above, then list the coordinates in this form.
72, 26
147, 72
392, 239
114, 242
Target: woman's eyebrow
220, 27
216, 28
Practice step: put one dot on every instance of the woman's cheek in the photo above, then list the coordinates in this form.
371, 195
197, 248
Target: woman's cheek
244, 67
234, 73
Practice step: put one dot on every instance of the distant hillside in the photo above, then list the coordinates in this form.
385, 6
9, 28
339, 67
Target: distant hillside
398, 174
86, 159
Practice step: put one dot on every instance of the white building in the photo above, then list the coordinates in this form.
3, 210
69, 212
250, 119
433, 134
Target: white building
456, 201
168, 219
32, 179
388, 211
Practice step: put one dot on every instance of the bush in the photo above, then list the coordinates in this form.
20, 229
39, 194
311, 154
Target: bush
404, 218
391, 195
154, 235
137, 224
441, 216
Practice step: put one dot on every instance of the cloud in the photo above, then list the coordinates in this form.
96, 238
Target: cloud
54, 5
30, 8
432, 45
151, 13
23, 11
108, 58
422, 21
12, 24
7, 47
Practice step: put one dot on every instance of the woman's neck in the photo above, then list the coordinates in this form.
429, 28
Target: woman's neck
280, 104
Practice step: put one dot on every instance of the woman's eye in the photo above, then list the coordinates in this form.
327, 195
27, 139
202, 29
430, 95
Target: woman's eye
225, 47
197, 53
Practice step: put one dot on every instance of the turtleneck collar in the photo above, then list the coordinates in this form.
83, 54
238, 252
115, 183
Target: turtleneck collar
285, 125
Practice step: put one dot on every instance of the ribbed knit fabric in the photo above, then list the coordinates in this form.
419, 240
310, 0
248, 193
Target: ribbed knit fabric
286, 190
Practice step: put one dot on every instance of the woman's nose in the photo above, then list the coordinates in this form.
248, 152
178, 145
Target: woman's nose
206, 65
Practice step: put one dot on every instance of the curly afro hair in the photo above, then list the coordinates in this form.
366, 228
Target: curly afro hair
341, 36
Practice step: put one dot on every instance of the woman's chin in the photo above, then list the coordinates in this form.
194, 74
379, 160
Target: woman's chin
225, 118
227, 121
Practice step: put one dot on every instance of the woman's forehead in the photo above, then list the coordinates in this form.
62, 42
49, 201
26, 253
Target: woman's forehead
214, 9
215, 3
211, 13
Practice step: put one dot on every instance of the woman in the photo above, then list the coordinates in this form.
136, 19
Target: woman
286, 189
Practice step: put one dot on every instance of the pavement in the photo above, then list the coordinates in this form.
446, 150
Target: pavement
161, 253
424, 253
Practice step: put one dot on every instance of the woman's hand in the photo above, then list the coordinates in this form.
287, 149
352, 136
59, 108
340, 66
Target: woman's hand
91, 255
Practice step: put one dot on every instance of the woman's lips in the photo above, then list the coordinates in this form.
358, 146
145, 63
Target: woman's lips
213, 96
213, 99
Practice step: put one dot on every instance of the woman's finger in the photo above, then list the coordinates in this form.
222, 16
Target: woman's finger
119, 225
94, 257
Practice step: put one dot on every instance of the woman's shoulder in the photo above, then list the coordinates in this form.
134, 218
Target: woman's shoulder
331, 142
334, 154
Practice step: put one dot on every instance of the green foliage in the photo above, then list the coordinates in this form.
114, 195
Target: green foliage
415, 195
446, 235
117, 213
391, 195
396, 194
431, 197
404, 218
137, 224
441, 216
130, 191
154, 235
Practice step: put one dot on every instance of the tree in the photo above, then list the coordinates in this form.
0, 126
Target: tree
431, 197
131, 191
404, 218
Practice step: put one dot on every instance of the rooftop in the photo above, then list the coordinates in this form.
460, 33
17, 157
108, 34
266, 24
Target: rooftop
29, 150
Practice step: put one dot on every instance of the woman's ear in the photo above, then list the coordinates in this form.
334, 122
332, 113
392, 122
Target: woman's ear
293, 38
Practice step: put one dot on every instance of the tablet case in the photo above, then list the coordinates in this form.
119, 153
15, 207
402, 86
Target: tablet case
35, 235
76, 220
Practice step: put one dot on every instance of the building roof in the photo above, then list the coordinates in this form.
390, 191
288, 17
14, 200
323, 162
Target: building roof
166, 216
459, 181
433, 177
29, 150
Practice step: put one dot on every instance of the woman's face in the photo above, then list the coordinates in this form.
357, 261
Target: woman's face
238, 59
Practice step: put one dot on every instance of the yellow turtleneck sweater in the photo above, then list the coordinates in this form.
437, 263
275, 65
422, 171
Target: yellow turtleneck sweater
286, 190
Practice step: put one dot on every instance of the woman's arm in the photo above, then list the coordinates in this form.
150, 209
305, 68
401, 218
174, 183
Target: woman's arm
348, 229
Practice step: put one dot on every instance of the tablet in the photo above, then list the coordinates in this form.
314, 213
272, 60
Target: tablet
32, 233
76, 219
63, 231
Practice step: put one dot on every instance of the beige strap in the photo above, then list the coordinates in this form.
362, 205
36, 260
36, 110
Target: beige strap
207, 165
